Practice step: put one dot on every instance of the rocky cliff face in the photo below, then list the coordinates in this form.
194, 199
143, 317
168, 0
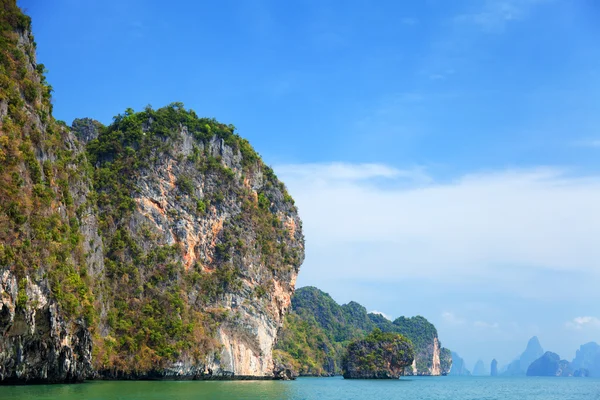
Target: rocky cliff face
199, 227
46, 224
160, 246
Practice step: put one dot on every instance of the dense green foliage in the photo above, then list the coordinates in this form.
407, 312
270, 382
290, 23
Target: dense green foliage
422, 333
39, 219
310, 350
379, 355
317, 331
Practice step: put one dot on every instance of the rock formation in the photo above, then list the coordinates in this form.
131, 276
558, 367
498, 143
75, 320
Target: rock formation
162, 244
479, 369
532, 352
494, 368
587, 360
459, 367
378, 356
549, 364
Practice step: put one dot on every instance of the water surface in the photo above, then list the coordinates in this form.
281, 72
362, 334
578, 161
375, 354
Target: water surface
413, 388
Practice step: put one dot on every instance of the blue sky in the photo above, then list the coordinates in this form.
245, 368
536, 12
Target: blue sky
444, 154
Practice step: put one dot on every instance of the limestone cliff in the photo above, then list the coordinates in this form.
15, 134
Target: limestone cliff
46, 224
160, 246
201, 241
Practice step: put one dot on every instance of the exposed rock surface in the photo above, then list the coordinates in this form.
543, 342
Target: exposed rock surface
164, 249
86, 129
46, 224
550, 364
378, 356
37, 345
208, 237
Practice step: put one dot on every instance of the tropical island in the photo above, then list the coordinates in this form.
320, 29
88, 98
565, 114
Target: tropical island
378, 356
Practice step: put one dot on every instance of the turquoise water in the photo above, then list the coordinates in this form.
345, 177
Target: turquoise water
425, 388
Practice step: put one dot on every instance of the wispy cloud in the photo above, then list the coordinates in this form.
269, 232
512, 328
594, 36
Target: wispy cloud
494, 15
579, 323
451, 318
382, 314
343, 173
486, 325
512, 228
595, 143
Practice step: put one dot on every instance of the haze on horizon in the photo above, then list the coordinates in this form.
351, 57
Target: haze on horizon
444, 156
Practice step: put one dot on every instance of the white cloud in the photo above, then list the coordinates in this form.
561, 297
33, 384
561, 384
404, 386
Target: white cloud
382, 314
510, 228
486, 325
451, 318
582, 322
346, 173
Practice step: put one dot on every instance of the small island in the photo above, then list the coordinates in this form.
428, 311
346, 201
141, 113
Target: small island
378, 356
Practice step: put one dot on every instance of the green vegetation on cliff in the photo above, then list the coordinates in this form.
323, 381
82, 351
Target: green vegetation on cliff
39, 167
421, 332
317, 331
172, 149
159, 237
380, 355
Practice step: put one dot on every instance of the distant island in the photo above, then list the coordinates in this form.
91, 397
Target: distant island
535, 362
459, 367
549, 364
585, 364
317, 331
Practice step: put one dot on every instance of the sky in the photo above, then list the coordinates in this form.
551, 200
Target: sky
444, 155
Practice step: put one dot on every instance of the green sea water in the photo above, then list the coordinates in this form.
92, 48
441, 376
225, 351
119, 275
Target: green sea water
425, 388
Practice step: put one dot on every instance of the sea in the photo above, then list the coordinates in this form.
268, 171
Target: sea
335, 388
